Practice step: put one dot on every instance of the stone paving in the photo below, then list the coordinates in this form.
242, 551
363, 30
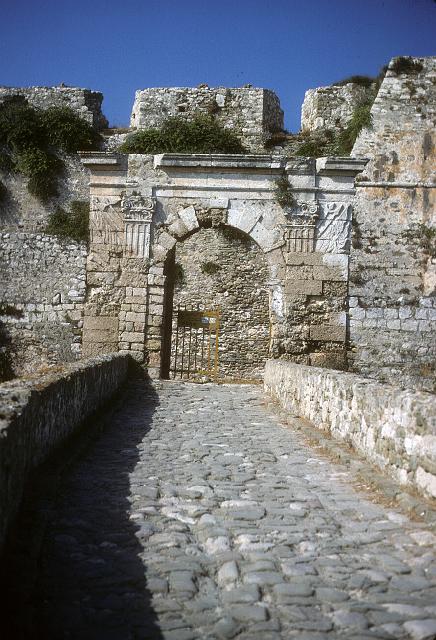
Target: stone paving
197, 514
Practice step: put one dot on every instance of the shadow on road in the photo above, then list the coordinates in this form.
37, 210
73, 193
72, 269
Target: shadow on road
74, 569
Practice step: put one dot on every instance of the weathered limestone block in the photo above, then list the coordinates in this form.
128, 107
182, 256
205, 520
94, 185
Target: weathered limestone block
328, 333
304, 287
189, 218
333, 228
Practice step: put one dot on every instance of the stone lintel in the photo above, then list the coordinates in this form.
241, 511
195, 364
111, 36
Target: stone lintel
340, 165
100, 159
210, 161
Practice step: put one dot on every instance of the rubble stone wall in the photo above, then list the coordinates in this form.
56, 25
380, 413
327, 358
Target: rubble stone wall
331, 107
394, 429
41, 299
393, 253
252, 114
39, 413
238, 286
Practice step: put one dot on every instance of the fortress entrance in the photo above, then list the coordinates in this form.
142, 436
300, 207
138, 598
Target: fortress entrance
194, 344
216, 307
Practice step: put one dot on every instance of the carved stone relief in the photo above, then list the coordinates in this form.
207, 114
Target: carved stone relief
299, 233
138, 215
106, 227
334, 228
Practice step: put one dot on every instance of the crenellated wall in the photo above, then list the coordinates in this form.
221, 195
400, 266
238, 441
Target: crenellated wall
331, 107
86, 103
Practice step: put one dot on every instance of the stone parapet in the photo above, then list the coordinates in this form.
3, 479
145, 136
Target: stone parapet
393, 428
86, 103
39, 413
331, 107
253, 114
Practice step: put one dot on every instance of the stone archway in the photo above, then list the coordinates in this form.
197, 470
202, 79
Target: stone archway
221, 268
243, 286
142, 206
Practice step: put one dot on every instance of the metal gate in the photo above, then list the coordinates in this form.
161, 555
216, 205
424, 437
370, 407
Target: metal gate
194, 344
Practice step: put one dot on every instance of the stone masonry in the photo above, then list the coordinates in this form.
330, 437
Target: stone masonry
41, 298
331, 107
141, 207
252, 114
393, 253
238, 285
373, 312
199, 515
86, 103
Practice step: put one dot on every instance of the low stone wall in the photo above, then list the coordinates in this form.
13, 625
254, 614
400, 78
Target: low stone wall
393, 428
38, 414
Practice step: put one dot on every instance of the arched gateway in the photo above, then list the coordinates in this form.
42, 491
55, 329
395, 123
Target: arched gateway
143, 206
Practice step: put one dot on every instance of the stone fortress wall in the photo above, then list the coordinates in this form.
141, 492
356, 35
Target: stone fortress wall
86, 103
393, 254
331, 107
41, 298
387, 331
253, 114
43, 279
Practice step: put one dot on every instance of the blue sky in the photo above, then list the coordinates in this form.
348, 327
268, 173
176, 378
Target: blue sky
286, 45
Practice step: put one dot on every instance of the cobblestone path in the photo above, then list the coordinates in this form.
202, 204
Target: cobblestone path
197, 514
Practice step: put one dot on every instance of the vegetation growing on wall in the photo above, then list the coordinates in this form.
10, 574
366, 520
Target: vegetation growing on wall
203, 134
363, 81
406, 64
210, 268
31, 140
360, 119
283, 192
423, 238
72, 225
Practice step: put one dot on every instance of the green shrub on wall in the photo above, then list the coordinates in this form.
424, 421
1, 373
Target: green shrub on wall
42, 168
360, 119
203, 134
31, 139
67, 131
73, 224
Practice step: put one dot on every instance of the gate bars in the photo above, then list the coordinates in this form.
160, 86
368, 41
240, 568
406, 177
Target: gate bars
194, 348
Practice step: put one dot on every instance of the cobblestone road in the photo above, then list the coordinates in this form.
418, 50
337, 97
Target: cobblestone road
198, 515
